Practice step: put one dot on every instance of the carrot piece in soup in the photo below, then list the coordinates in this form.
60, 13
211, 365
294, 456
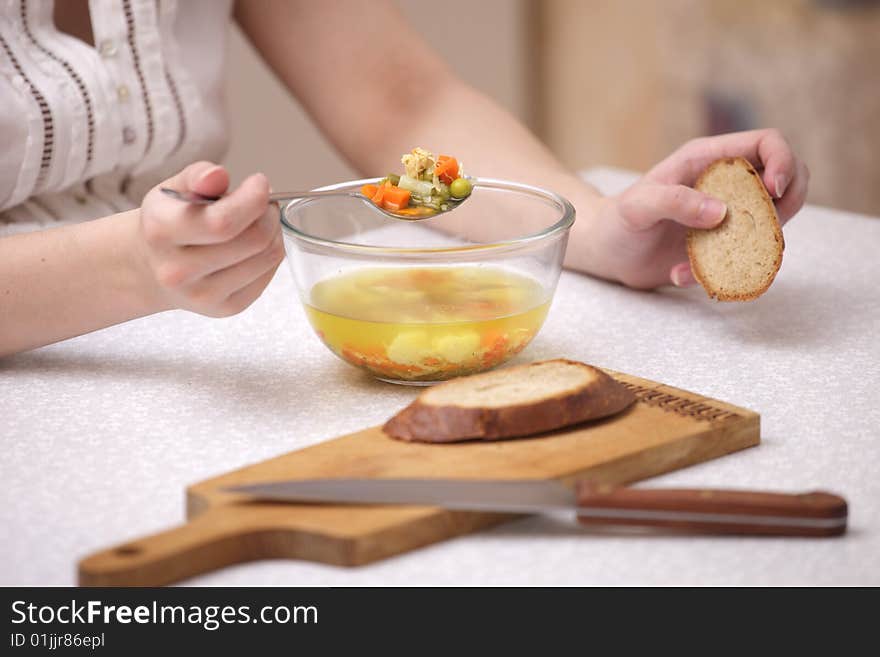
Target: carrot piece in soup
369, 190
379, 196
395, 198
417, 211
446, 168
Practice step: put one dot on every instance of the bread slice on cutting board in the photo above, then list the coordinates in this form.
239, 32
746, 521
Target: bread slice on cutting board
738, 259
515, 401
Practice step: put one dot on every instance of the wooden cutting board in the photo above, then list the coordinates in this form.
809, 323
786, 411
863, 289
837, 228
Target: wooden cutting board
664, 430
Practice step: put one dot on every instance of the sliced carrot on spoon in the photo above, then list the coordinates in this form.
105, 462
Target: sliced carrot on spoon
446, 169
395, 198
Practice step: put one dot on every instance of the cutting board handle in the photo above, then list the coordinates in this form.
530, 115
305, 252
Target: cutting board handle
207, 542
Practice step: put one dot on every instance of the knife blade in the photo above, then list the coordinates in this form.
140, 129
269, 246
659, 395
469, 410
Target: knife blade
513, 496
719, 511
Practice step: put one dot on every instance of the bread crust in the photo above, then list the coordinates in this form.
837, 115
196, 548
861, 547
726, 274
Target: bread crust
699, 274
600, 397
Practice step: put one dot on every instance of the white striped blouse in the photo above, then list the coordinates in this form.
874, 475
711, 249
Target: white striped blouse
86, 130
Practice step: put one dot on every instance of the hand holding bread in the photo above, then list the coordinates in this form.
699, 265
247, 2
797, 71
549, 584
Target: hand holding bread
642, 241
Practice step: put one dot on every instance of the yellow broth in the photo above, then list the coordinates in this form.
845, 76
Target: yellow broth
427, 324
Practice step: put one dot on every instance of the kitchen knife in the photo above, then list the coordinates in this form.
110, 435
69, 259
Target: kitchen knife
704, 510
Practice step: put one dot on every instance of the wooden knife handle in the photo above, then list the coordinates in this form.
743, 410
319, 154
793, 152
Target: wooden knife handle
716, 511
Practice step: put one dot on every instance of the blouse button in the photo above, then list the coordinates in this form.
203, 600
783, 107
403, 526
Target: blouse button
107, 48
122, 93
129, 136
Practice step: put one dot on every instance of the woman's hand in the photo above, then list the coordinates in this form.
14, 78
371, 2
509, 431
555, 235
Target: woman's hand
81, 277
641, 231
212, 259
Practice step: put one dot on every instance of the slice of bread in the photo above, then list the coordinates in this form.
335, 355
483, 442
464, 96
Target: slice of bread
738, 259
516, 401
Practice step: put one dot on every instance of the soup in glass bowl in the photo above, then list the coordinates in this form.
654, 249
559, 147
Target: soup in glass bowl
422, 302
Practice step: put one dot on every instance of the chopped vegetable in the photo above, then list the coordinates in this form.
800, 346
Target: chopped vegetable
395, 198
417, 187
417, 212
424, 189
447, 169
460, 188
387, 196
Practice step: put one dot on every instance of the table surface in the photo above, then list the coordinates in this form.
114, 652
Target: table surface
102, 433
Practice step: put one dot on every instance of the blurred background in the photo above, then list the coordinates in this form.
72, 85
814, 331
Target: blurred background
624, 82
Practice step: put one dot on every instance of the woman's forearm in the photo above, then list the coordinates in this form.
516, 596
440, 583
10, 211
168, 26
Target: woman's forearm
70, 280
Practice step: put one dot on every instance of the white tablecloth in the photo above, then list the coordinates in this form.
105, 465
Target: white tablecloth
101, 434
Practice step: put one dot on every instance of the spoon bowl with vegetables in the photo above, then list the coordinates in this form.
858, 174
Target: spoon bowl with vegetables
427, 187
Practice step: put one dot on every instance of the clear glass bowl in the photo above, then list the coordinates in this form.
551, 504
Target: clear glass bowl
422, 302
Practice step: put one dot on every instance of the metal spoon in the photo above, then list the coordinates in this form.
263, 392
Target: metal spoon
414, 213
